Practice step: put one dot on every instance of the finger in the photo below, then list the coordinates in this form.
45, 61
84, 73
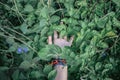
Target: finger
49, 39
55, 35
65, 38
71, 39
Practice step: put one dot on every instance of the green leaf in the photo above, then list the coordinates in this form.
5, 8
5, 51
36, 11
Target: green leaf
48, 52
42, 23
82, 3
36, 38
43, 53
117, 2
102, 45
62, 33
116, 22
52, 74
44, 12
47, 69
58, 27
84, 25
105, 71
36, 59
108, 66
83, 46
93, 77
108, 79
10, 40
64, 20
98, 66
54, 19
112, 60
71, 11
44, 31
91, 24
84, 14
24, 27
3, 68
102, 22
109, 25
27, 57
22, 76
15, 75
79, 40
36, 74
13, 47
110, 34
3, 76
72, 55
84, 56
112, 14
28, 8
72, 21
25, 65
54, 49
99, 9
51, 10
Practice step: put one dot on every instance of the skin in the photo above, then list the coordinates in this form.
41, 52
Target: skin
61, 42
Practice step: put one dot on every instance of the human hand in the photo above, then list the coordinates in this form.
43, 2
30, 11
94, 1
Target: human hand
61, 42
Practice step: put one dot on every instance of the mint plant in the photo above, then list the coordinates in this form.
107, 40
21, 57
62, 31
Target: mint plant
26, 24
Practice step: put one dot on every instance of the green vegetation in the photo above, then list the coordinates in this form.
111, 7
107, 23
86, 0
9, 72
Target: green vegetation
26, 24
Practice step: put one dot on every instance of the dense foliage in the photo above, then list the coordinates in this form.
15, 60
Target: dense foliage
26, 24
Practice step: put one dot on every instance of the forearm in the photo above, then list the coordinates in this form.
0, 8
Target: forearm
61, 72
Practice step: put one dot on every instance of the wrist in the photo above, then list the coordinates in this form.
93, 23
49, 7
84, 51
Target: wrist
61, 68
61, 72
58, 62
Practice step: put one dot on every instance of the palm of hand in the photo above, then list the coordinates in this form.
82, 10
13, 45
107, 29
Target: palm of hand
61, 42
